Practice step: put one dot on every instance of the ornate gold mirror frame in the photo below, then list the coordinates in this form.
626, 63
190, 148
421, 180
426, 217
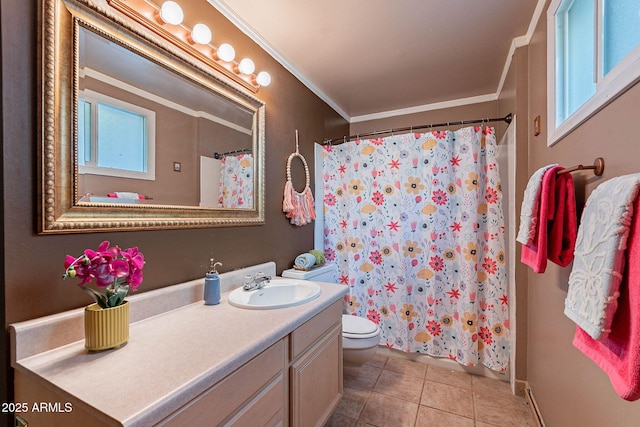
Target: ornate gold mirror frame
60, 210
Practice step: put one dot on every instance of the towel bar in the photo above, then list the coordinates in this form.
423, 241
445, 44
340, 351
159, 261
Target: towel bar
597, 166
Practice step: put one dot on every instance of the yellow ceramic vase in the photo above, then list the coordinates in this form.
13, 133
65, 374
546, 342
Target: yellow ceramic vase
106, 328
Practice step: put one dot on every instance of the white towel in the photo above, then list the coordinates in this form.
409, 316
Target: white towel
530, 206
126, 195
599, 257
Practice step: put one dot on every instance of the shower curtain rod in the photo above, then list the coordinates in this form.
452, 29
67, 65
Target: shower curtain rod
221, 155
508, 118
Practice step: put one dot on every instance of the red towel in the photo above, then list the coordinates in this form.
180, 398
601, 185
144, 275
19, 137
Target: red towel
564, 230
557, 223
619, 354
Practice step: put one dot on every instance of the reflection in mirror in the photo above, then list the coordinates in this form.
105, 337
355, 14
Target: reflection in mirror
232, 177
136, 119
135, 129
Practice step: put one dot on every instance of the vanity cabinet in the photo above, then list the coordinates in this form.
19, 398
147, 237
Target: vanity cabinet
295, 381
253, 395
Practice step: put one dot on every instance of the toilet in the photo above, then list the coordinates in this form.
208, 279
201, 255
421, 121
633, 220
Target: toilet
360, 336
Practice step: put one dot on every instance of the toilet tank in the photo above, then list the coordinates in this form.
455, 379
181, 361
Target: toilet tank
325, 273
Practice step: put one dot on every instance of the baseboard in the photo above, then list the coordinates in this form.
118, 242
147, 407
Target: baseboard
519, 388
535, 411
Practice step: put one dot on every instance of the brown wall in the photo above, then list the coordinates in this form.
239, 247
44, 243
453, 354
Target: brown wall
33, 264
568, 387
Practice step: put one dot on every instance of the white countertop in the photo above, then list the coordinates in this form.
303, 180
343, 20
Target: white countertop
170, 358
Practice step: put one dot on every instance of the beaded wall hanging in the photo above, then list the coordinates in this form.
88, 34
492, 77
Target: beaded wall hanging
298, 207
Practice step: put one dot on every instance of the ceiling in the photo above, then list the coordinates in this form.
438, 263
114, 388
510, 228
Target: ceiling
378, 58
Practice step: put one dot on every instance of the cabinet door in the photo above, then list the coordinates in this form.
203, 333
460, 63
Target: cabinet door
316, 381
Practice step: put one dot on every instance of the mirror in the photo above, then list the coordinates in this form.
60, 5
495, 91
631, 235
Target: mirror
139, 135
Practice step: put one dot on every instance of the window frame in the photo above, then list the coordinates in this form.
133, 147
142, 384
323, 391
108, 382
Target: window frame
93, 98
620, 78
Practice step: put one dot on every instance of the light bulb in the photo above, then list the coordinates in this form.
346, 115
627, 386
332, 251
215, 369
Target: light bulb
226, 52
201, 34
263, 78
171, 13
246, 66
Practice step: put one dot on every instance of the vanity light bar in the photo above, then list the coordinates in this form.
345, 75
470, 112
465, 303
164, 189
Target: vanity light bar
171, 13
195, 42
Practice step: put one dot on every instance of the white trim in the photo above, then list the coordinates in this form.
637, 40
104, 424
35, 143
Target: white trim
426, 107
520, 41
551, 73
507, 161
515, 43
89, 72
150, 115
318, 226
537, 14
624, 75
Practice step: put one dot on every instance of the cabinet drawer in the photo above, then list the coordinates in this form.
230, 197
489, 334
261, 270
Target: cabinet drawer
266, 409
223, 399
314, 328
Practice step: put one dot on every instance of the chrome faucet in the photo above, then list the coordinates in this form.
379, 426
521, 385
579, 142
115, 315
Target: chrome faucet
252, 283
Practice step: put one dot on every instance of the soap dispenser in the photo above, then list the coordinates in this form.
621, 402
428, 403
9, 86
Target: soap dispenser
212, 285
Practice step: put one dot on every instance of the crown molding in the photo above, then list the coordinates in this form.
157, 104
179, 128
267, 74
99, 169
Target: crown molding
425, 107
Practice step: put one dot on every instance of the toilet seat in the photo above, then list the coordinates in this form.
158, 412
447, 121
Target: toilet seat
358, 327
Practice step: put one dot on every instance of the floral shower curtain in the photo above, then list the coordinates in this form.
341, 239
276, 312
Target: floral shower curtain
414, 223
236, 182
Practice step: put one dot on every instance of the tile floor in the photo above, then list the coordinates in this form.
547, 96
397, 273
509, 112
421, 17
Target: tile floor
395, 392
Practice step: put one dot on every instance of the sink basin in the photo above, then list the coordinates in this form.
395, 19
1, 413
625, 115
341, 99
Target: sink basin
278, 293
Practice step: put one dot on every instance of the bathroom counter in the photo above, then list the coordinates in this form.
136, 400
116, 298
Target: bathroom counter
170, 358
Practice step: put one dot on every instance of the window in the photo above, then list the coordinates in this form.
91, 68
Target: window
115, 138
594, 56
